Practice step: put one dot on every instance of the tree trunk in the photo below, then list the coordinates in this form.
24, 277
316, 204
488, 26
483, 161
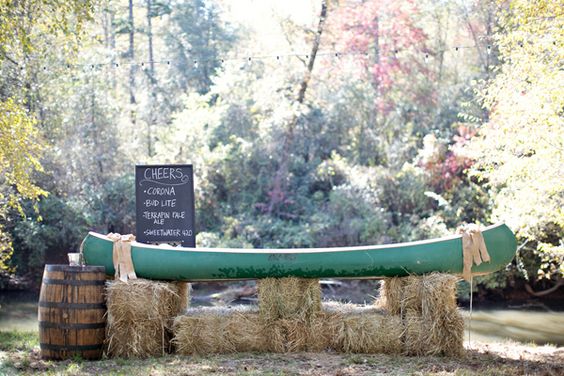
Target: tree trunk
279, 185
131, 54
150, 39
373, 117
152, 79
112, 44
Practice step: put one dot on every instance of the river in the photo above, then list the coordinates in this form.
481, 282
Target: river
18, 311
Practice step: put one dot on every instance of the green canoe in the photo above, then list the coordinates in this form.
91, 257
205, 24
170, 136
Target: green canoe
204, 264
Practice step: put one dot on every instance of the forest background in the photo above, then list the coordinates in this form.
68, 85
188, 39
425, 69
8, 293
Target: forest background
309, 123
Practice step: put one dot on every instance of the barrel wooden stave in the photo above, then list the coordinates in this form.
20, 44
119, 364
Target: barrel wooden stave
71, 312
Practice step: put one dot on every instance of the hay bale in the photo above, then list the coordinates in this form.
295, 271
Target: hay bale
427, 307
295, 335
427, 294
362, 329
241, 329
180, 305
391, 294
430, 295
288, 298
289, 310
214, 331
425, 336
140, 314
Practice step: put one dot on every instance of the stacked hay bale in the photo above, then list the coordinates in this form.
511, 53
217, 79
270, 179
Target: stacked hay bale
290, 314
288, 319
140, 315
420, 317
428, 312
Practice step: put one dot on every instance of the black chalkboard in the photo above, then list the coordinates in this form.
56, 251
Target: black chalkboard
164, 198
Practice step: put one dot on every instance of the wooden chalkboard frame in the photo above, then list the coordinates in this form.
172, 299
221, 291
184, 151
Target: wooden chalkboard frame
179, 177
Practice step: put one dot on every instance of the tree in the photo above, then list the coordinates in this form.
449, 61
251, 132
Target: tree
19, 159
519, 151
389, 50
22, 27
196, 39
278, 192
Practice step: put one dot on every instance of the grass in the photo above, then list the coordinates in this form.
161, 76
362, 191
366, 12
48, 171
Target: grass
18, 340
20, 355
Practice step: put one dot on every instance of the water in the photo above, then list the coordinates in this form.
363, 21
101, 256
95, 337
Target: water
19, 311
519, 325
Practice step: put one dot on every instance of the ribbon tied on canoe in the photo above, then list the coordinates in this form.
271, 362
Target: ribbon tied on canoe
123, 264
474, 250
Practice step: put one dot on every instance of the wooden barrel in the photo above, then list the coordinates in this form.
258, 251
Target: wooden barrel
71, 312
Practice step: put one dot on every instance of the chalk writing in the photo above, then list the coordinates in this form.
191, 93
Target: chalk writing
165, 204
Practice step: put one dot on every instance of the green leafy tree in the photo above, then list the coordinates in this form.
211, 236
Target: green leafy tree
23, 27
520, 150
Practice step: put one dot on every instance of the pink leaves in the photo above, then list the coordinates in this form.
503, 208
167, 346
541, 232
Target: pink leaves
385, 39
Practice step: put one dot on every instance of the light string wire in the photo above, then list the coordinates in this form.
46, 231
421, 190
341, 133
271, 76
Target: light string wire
249, 58
427, 53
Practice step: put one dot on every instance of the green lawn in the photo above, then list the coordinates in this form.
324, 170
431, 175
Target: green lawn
19, 355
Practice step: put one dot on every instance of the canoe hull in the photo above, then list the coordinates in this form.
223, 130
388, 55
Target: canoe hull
198, 264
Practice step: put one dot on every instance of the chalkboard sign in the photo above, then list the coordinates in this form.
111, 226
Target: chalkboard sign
164, 197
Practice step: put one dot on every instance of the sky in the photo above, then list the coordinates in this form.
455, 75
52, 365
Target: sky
264, 16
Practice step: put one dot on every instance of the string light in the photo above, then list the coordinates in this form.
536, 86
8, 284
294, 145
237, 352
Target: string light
278, 57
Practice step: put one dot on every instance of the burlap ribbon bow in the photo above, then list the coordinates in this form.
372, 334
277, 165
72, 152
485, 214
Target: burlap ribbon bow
123, 264
474, 249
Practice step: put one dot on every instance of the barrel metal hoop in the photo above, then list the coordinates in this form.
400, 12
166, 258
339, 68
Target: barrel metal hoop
75, 269
58, 325
48, 346
72, 305
73, 282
